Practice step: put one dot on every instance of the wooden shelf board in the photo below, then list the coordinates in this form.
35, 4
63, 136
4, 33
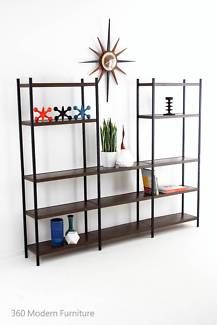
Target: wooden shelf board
112, 234
57, 84
169, 84
79, 172
54, 123
161, 116
170, 161
63, 209
109, 201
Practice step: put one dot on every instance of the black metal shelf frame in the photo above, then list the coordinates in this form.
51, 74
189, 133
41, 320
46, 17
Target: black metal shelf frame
153, 117
31, 86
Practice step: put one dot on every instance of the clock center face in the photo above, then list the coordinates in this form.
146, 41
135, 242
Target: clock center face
109, 61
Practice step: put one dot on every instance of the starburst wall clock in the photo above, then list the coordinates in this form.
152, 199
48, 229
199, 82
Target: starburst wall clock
107, 61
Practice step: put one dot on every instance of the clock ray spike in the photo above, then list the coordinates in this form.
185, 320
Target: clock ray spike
117, 54
107, 85
97, 68
114, 48
100, 43
94, 51
90, 61
114, 76
119, 69
101, 74
108, 41
122, 61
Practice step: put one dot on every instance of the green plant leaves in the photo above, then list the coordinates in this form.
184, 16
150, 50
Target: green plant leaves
108, 133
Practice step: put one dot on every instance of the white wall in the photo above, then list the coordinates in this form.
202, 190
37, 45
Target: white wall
45, 40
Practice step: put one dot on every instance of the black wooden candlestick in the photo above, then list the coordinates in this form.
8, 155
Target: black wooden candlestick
169, 106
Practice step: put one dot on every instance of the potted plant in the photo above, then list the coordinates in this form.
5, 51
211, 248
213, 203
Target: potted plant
108, 132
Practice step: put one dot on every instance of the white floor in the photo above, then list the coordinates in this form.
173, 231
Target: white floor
169, 280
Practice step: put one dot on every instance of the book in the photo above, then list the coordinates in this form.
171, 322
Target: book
166, 189
147, 182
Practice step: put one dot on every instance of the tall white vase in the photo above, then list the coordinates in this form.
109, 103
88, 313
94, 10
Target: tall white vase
108, 159
124, 158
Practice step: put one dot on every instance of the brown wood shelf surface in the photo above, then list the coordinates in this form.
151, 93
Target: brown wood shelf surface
92, 204
57, 84
169, 84
113, 234
79, 172
54, 123
170, 161
161, 116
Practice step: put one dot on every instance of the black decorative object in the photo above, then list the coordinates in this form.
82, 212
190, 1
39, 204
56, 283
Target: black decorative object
82, 112
62, 113
107, 60
169, 105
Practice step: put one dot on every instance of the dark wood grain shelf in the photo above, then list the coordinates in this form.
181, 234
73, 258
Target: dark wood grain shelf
161, 116
79, 172
169, 84
57, 84
114, 234
109, 201
54, 123
62, 209
169, 161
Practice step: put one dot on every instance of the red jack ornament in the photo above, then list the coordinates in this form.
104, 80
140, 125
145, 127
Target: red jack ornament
43, 114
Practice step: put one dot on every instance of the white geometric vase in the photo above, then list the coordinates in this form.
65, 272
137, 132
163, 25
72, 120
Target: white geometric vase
72, 237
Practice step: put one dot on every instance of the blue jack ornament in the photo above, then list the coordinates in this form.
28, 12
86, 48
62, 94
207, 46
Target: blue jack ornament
82, 112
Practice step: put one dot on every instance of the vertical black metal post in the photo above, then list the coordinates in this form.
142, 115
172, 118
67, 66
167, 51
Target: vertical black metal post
183, 144
152, 158
84, 160
199, 148
137, 149
22, 168
98, 166
34, 171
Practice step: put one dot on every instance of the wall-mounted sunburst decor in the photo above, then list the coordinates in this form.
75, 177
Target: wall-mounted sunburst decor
107, 60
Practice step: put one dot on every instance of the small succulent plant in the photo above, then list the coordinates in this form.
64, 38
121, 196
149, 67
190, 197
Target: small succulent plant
108, 132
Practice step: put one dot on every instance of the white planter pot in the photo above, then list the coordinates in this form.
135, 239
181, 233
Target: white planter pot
108, 159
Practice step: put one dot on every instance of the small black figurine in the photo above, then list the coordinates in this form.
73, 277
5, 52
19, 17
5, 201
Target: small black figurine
169, 106
62, 113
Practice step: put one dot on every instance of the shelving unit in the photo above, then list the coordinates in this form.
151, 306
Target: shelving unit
79, 206
153, 116
96, 238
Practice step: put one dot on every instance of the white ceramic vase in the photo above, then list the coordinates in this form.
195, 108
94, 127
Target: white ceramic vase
108, 159
124, 158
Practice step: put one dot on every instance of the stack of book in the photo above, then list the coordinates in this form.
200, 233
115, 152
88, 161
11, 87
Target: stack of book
147, 180
165, 189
